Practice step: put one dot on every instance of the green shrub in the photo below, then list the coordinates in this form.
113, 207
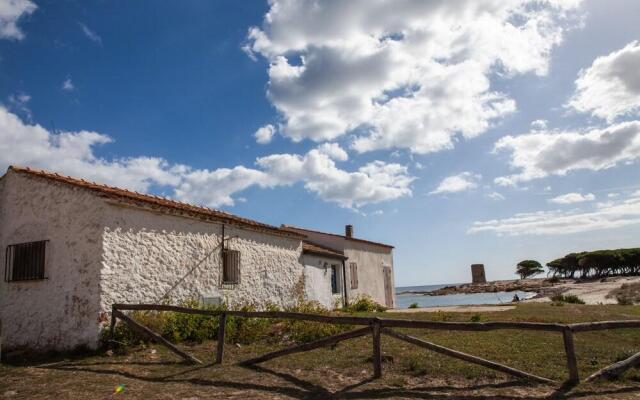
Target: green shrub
363, 303
124, 336
569, 298
181, 327
413, 305
306, 331
476, 318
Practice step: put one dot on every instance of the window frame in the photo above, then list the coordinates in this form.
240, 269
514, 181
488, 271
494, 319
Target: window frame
33, 258
226, 257
335, 288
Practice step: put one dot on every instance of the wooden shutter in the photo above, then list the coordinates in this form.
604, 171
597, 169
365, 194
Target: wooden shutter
230, 266
353, 269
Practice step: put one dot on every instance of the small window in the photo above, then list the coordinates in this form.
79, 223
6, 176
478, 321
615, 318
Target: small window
25, 261
230, 267
353, 269
334, 279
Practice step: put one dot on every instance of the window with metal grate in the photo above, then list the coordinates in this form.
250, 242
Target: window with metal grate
25, 261
230, 267
334, 279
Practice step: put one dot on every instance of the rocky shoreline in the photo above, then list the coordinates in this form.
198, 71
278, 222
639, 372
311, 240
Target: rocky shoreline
540, 286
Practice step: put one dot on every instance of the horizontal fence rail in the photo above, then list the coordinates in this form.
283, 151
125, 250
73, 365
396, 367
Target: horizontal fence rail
377, 326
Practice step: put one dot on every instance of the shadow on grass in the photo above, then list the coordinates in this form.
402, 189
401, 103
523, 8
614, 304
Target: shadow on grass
298, 388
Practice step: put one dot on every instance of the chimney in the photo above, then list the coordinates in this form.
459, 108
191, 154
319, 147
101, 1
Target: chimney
348, 231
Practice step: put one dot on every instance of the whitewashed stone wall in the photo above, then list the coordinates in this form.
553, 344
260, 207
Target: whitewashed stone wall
317, 280
145, 254
370, 260
61, 311
102, 252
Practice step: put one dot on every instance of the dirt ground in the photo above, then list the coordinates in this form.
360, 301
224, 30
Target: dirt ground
344, 371
151, 373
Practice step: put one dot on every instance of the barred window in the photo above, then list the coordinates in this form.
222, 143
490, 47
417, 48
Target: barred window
334, 279
25, 261
353, 269
230, 266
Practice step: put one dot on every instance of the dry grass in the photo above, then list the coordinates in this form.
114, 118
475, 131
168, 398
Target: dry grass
344, 371
627, 294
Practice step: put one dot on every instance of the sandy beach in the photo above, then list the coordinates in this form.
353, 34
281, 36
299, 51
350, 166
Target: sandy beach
592, 292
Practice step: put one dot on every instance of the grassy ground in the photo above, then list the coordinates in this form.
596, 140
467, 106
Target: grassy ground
344, 371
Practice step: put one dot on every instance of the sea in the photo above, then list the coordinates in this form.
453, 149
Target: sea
404, 300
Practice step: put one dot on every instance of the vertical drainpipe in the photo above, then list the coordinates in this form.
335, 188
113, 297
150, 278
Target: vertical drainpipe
222, 257
345, 298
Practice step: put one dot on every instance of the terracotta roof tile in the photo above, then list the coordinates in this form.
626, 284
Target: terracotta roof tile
315, 248
128, 195
296, 229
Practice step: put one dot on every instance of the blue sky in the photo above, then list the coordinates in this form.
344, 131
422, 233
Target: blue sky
413, 121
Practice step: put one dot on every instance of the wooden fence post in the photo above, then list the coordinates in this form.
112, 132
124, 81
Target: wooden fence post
377, 353
569, 348
221, 328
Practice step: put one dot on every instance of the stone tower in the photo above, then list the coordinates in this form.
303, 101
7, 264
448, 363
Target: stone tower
477, 273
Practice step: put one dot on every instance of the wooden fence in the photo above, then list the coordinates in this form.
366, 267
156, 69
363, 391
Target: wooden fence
378, 326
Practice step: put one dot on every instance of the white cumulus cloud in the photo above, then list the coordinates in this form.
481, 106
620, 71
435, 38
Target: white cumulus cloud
10, 12
374, 182
405, 73
610, 87
542, 153
609, 215
457, 183
571, 198
334, 151
496, 196
264, 134
73, 153
539, 124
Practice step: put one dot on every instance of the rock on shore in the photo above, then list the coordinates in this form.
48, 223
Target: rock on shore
527, 285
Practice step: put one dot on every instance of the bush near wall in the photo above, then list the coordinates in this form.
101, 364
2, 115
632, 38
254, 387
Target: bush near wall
190, 328
600, 263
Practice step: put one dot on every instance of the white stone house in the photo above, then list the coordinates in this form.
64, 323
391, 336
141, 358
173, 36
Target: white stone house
367, 265
72, 248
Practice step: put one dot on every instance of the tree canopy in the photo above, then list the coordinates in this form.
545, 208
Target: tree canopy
527, 268
597, 263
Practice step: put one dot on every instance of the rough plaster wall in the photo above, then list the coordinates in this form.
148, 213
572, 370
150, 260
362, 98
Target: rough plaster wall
146, 253
62, 311
370, 260
317, 279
